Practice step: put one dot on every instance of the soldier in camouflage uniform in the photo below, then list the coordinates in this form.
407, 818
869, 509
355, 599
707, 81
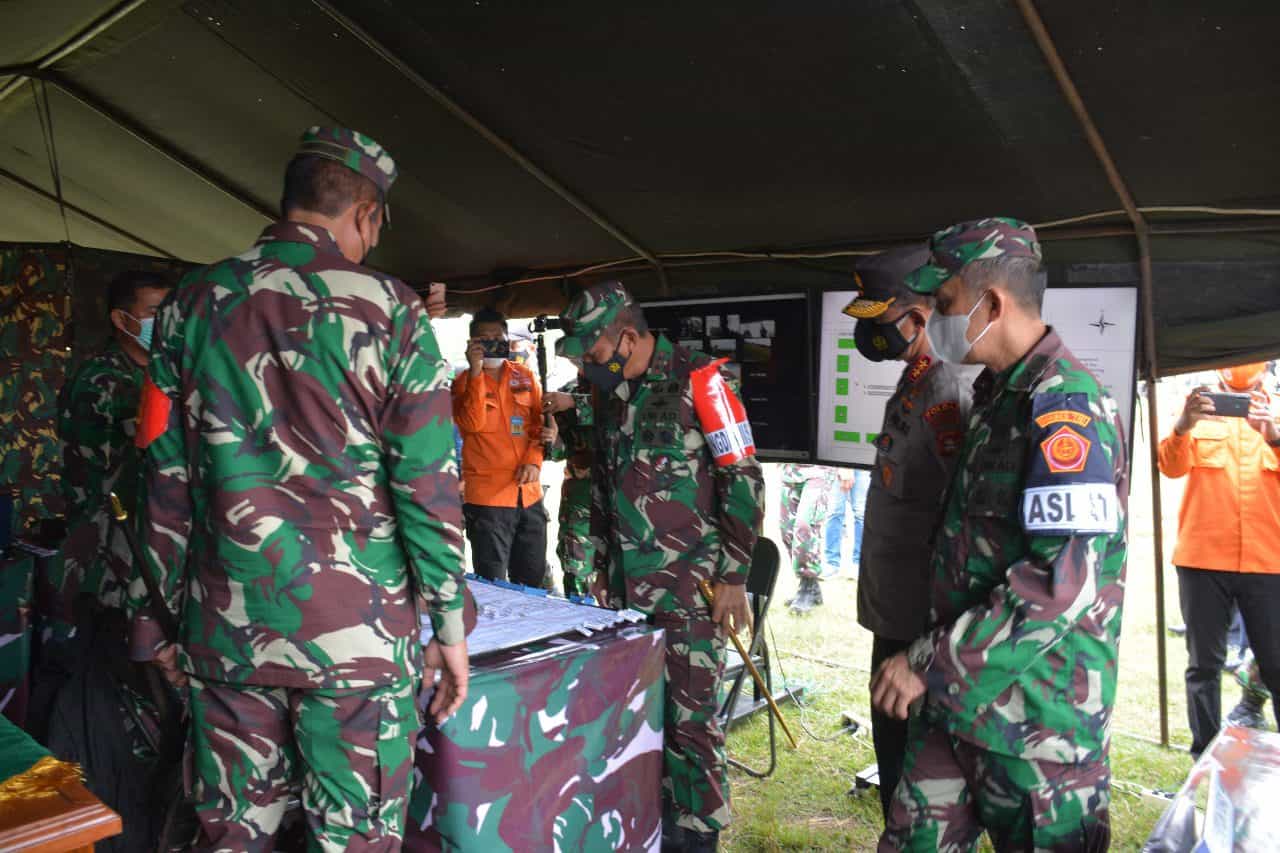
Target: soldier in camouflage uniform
97, 410
1018, 671
916, 454
581, 548
806, 492
302, 507
674, 517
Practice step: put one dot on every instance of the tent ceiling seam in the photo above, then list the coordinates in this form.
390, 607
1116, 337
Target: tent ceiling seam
103, 23
1141, 233
82, 212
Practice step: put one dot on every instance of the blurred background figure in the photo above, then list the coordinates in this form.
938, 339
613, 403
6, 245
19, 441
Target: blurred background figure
850, 496
806, 493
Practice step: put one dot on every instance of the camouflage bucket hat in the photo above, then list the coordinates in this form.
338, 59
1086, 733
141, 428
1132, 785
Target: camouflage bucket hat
588, 315
978, 240
354, 150
880, 280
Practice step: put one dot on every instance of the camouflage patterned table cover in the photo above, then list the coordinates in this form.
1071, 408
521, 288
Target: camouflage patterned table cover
558, 747
17, 584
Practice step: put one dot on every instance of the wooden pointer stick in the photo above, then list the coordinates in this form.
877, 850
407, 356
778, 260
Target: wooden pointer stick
710, 596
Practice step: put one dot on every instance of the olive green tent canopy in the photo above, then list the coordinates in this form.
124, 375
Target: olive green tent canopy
706, 148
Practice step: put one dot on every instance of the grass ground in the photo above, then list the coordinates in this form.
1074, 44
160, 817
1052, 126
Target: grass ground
804, 804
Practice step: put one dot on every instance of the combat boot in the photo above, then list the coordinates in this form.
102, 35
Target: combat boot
1248, 713
805, 598
817, 592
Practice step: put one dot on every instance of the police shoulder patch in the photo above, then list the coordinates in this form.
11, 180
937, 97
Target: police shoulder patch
1070, 487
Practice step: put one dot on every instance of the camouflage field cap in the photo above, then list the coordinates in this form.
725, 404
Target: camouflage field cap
880, 280
980, 239
354, 150
588, 315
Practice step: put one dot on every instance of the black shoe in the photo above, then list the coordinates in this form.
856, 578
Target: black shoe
817, 592
1248, 713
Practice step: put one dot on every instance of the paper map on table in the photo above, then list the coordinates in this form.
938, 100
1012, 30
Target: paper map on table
510, 616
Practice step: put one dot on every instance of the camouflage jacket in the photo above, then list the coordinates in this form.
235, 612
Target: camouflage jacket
916, 454
97, 411
305, 495
674, 517
1029, 565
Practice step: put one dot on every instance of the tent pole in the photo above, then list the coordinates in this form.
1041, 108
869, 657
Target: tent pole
81, 212
144, 136
79, 40
459, 112
1142, 235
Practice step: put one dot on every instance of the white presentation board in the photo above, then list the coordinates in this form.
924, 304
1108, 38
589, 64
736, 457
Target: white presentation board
1098, 324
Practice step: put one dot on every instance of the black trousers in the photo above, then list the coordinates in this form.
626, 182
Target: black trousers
508, 543
1208, 599
888, 735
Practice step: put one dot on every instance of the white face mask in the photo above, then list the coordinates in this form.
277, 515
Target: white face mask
948, 334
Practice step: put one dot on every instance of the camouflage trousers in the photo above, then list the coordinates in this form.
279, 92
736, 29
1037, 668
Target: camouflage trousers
695, 778
951, 790
803, 512
351, 750
576, 548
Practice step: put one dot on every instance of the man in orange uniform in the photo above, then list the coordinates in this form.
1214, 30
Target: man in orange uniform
1228, 538
497, 406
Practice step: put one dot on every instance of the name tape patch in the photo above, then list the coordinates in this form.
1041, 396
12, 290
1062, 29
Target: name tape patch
1071, 508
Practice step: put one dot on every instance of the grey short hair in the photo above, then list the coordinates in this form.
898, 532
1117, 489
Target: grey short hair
1018, 275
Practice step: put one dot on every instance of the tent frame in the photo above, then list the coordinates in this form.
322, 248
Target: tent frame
1142, 234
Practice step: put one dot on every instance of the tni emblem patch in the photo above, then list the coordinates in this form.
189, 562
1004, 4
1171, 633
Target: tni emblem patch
1066, 451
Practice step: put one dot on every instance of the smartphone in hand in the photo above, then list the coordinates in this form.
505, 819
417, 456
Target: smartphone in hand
1228, 405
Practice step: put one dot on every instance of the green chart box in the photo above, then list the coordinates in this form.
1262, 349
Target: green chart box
849, 437
847, 343
842, 364
842, 414
842, 387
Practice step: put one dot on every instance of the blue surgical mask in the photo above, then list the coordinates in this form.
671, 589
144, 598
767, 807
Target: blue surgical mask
146, 328
948, 334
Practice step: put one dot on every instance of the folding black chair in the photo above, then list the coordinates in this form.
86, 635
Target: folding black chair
760, 581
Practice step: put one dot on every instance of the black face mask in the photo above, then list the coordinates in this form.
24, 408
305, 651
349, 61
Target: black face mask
880, 341
607, 376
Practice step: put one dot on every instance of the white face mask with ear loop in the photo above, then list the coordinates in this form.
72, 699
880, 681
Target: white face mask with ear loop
947, 333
